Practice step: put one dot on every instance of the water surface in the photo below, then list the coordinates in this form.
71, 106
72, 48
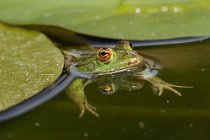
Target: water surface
133, 115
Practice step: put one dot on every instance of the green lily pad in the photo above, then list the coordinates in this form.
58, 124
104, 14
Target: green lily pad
120, 19
29, 62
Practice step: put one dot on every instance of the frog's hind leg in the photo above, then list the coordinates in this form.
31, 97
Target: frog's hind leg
75, 92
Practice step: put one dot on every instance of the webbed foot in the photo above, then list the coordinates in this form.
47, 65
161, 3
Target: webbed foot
89, 107
159, 89
159, 85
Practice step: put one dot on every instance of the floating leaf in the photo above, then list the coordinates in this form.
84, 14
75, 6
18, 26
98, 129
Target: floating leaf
29, 62
121, 19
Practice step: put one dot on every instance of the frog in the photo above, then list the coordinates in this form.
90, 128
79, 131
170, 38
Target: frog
94, 64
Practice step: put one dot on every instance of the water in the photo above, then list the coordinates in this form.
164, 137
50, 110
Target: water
133, 115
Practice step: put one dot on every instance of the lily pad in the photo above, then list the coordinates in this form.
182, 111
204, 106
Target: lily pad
118, 19
29, 62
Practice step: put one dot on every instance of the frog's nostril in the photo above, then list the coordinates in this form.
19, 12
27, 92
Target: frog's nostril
131, 45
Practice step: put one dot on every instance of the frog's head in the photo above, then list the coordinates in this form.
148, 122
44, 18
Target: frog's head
108, 61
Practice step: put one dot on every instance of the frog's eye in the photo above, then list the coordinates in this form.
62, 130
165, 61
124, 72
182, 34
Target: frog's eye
105, 55
124, 45
106, 88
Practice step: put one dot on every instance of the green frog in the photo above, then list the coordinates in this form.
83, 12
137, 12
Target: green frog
90, 65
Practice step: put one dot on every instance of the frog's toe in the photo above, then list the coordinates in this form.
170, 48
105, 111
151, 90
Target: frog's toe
92, 109
160, 91
172, 85
173, 90
157, 90
82, 111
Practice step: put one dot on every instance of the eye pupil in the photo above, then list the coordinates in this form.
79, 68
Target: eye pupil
103, 53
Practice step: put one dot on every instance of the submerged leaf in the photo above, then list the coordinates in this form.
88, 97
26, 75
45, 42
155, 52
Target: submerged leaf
120, 19
29, 62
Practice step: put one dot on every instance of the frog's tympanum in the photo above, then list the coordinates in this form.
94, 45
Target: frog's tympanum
115, 68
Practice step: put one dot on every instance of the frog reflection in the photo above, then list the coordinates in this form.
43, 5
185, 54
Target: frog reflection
131, 82
91, 65
112, 84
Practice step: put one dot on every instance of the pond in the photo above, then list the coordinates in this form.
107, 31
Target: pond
138, 114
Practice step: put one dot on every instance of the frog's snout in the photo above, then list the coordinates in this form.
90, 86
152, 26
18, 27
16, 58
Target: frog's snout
137, 59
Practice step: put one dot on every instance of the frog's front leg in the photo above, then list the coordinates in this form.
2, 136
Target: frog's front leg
159, 85
75, 91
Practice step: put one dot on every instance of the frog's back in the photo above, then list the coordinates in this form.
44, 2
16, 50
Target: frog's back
76, 55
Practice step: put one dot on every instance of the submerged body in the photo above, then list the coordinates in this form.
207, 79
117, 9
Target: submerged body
107, 62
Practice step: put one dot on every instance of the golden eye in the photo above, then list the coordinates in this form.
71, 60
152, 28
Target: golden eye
105, 55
